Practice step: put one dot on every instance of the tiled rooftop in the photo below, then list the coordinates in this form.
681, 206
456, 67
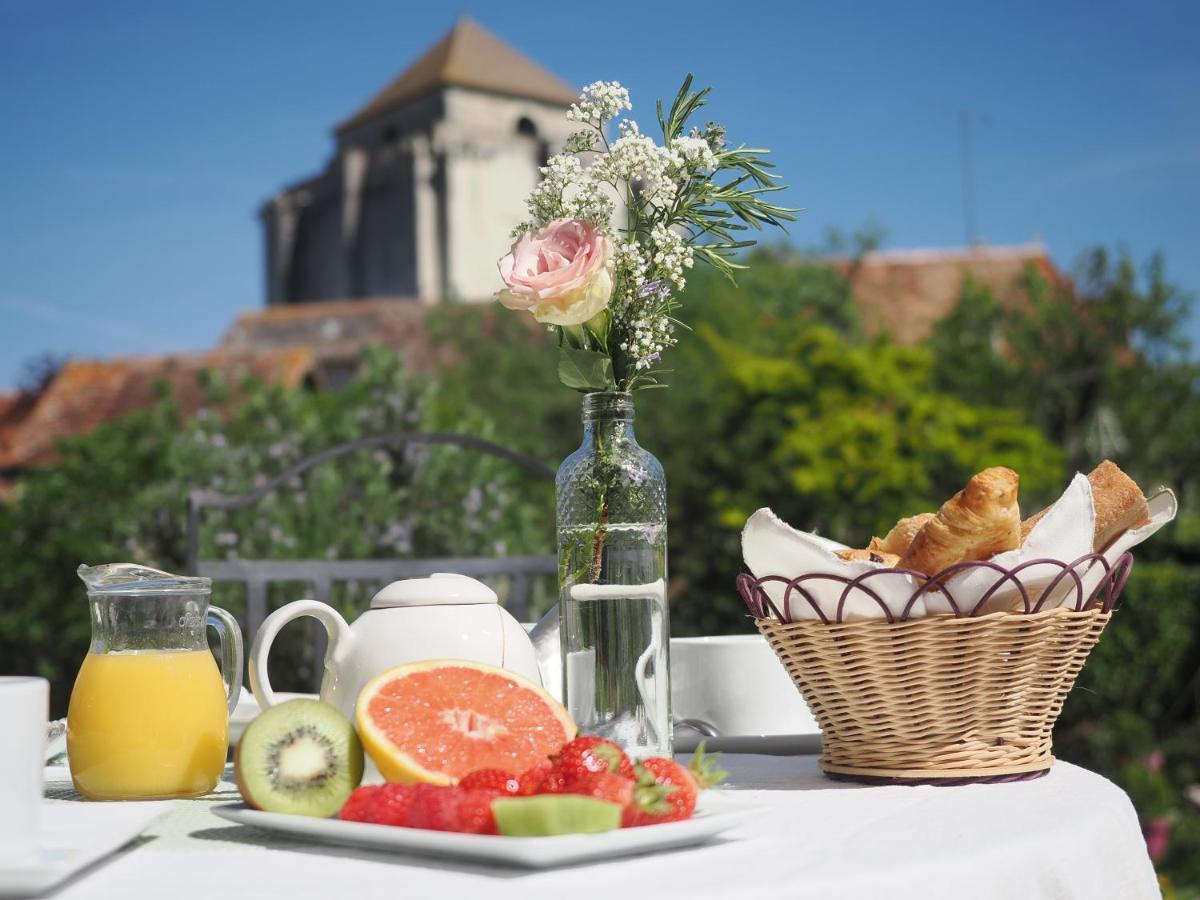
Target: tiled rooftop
87, 393
906, 292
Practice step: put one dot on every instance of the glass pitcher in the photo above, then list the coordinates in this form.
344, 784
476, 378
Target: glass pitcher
149, 712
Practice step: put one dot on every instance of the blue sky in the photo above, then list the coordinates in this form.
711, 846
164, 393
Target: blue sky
137, 139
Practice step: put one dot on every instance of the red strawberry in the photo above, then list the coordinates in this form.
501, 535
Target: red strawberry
607, 786
683, 786
491, 779
434, 807
358, 803
557, 782
589, 754
390, 804
530, 781
475, 811
453, 809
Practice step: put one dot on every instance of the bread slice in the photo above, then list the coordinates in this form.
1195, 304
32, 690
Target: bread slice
1120, 505
979, 521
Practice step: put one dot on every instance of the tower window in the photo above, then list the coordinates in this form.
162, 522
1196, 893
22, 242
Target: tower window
526, 127
391, 134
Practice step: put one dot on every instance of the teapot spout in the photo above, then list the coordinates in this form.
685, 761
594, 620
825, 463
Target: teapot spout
547, 649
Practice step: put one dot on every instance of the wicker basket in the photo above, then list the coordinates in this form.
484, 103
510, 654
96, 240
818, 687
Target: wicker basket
942, 699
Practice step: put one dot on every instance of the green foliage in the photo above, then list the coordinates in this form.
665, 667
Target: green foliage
1099, 364
1133, 713
119, 494
1157, 621
826, 420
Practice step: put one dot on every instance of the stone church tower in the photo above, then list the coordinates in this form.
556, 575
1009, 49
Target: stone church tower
427, 181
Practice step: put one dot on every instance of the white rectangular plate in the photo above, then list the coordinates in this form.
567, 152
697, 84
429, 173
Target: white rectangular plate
713, 815
73, 835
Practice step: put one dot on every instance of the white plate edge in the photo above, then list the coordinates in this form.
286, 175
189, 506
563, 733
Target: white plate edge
535, 852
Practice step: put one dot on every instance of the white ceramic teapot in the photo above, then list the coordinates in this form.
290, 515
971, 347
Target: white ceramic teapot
441, 617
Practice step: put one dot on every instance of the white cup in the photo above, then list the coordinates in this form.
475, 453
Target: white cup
737, 685
24, 710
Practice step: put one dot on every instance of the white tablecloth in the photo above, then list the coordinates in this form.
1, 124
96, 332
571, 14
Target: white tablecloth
1071, 834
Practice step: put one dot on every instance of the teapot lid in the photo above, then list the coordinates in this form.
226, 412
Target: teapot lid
439, 589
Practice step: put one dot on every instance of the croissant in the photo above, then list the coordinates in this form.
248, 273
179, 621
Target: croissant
869, 555
1119, 502
980, 520
901, 536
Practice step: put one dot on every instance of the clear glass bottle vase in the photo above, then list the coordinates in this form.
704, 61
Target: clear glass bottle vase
612, 572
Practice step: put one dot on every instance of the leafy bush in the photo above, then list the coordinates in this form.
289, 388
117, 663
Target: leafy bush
119, 494
1133, 713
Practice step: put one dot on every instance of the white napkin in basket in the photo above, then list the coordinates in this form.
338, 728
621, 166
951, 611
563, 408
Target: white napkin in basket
772, 547
1163, 507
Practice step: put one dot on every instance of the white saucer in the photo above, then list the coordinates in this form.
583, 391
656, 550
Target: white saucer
686, 741
72, 836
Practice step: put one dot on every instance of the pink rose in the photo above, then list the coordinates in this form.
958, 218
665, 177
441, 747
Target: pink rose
559, 273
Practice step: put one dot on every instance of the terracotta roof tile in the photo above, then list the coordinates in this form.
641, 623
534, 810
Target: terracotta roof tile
14, 408
86, 393
468, 56
906, 292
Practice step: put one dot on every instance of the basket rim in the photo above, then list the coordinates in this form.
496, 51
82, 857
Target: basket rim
933, 774
943, 620
1107, 589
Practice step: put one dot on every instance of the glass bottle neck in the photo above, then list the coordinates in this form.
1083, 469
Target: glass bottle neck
608, 417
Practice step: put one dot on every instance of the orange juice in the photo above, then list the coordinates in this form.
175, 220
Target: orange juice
147, 724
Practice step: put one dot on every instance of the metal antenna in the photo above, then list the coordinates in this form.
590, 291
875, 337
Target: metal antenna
967, 118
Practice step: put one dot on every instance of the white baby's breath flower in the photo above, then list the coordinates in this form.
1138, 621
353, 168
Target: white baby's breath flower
567, 190
636, 158
672, 254
695, 153
599, 102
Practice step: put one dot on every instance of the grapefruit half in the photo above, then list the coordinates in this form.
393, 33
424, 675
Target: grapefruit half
436, 720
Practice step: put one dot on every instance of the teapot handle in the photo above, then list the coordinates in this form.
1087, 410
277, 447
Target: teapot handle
335, 627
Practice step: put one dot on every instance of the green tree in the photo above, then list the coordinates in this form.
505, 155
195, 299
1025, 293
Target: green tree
1100, 363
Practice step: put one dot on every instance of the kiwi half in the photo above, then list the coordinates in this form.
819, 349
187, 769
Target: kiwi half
545, 815
301, 757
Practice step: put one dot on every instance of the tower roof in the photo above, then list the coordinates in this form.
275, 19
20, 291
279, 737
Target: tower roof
472, 57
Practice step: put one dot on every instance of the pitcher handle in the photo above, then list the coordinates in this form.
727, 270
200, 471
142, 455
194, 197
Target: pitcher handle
335, 627
229, 634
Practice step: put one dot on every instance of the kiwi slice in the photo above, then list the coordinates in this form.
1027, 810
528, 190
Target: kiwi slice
301, 757
546, 815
